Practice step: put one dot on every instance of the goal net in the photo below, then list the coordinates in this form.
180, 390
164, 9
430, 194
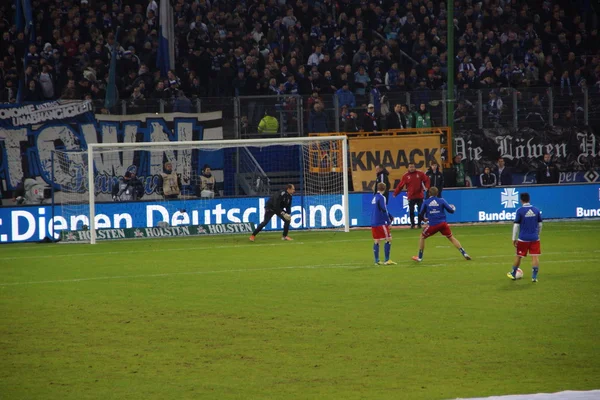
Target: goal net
141, 188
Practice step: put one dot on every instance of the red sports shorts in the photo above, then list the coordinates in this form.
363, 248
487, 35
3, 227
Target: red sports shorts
432, 230
533, 248
381, 232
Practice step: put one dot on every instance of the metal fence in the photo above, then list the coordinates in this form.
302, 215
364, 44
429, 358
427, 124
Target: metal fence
473, 109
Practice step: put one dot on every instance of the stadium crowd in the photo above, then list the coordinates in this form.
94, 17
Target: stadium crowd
356, 49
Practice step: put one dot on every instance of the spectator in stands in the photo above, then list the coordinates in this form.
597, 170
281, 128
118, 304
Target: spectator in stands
129, 187
436, 177
269, 124
370, 120
351, 123
487, 178
408, 116
345, 96
458, 175
182, 103
207, 183
548, 172
423, 117
396, 119
503, 174
169, 182
317, 121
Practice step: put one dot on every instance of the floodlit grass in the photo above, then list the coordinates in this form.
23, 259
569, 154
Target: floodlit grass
222, 318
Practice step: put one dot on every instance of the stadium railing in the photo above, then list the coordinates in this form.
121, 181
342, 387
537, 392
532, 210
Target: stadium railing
524, 107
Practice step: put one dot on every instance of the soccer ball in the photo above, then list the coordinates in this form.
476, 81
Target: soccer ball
519, 273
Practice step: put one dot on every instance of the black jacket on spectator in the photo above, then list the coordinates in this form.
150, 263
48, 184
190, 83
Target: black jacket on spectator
396, 121
370, 123
504, 178
548, 173
436, 179
487, 180
383, 177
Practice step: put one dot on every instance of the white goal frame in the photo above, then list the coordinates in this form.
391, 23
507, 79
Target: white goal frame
217, 144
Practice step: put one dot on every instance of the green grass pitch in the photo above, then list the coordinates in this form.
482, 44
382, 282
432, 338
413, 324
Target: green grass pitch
223, 318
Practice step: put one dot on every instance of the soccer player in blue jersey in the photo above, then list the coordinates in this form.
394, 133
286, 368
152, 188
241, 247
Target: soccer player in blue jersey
381, 223
434, 210
526, 236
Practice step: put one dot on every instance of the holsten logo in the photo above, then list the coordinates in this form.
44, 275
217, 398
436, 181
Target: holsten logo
587, 212
501, 216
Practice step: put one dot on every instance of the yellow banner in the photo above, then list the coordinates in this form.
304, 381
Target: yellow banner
394, 153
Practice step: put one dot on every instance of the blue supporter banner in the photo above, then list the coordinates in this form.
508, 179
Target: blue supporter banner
31, 223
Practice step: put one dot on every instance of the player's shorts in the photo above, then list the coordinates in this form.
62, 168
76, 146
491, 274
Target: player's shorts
381, 232
443, 228
533, 248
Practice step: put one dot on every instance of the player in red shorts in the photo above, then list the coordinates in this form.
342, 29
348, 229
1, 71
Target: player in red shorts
434, 210
381, 222
526, 236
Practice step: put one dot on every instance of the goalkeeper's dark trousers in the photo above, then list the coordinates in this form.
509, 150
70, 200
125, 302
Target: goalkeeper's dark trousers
411, 210
268, 215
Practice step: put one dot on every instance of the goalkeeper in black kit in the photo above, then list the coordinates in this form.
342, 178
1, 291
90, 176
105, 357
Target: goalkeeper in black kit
279, 204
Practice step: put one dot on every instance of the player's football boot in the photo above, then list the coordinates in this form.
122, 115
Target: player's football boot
534, 280
286, 238
390, 262
511, 276
378, 262
252, 238
467, 257
416, 258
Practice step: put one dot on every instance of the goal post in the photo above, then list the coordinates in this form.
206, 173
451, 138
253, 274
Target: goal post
247, 170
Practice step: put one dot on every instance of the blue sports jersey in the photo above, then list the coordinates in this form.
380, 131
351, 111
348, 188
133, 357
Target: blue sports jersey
379, 212
434, 208
528, 217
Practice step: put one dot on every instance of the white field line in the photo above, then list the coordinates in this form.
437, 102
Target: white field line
230, 246
250, 270
162, 250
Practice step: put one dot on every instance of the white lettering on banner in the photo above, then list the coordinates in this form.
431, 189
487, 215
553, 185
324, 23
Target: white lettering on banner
466, 150
76, 219
232, 215
32, 114
312, 212
180, 218
102, 221
30, 224
76, 135
583, 212
150, 214
587, 146
501, 216
59, 224
122, 217
12, 145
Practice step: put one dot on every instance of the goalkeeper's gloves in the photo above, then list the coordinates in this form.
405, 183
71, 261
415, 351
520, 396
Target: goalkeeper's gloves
286, 216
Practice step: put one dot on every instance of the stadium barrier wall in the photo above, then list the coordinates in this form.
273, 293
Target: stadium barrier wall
32, 223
